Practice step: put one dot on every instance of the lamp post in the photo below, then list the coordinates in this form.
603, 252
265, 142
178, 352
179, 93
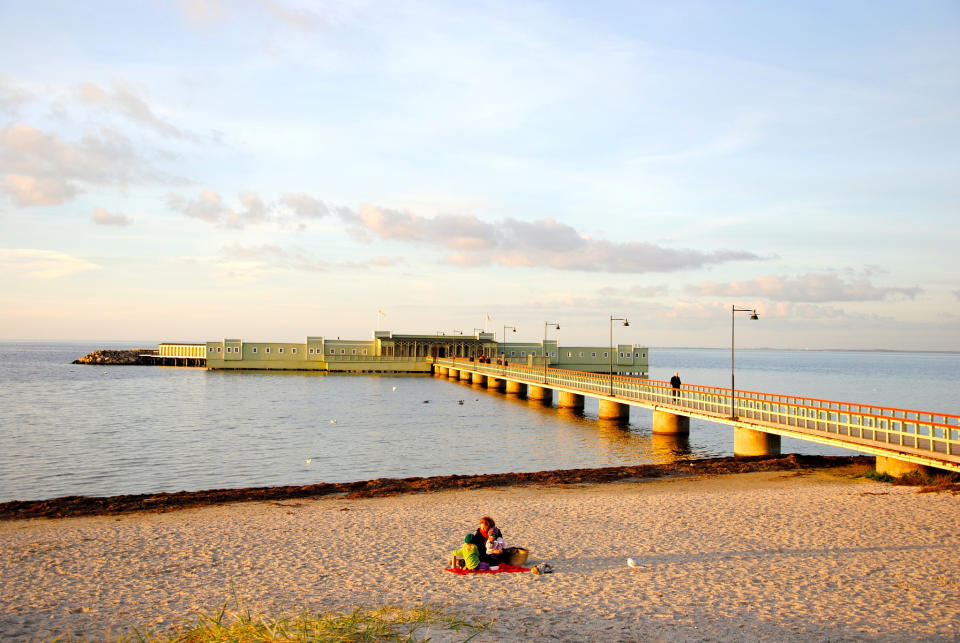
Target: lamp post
547, 325
503, 356
626, 322
733, 390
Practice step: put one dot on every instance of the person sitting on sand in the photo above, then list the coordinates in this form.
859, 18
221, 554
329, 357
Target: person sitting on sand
467, 556
495, 544
482, 535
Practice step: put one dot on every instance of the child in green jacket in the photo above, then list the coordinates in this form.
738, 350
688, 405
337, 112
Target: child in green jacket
469, 554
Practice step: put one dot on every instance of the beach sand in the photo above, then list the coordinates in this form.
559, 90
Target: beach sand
756, 556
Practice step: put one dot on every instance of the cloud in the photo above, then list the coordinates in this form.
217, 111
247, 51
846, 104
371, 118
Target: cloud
102, 217
12, 96
201, 12
545, 243
470, 240
41, 264
122, 101
821, 287
210, 207
38, 168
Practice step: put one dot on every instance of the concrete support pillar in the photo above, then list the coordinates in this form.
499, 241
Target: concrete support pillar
440, 370
479, 378
897, 468
516, 387
453, 373
670, 423
751, 442
541, 393
569, 400
466, 375
494, 382
610, 410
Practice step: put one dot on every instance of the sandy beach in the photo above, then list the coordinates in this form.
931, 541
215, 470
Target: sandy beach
757, 556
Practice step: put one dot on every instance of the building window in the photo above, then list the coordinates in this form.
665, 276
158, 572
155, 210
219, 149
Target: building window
513, 353
606, 355
353, 351
310, 351
254, 349
333, 351
293, 350
218, 349
581, 354
229, 349
266, 350
343, 351
533, 353
621, 353
593, 353
280, 350
364, 351
569, 353
209, 349
644, 355
523, 353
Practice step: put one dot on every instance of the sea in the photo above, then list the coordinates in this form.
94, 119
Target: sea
70, 429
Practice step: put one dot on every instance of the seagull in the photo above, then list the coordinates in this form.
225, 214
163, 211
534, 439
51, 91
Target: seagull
309, 461
632, 563
460, 402
426, 401
333, 421
394, 388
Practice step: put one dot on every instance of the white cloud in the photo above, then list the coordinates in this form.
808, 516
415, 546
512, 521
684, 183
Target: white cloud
821, 287
38, 168
102, 217
41, 264
123, 101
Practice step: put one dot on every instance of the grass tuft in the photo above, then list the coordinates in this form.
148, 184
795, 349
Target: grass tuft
872, 474
386, 623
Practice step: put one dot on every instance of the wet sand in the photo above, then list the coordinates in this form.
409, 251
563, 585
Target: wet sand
808, 555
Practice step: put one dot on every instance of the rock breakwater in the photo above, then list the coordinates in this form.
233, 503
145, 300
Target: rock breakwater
129, 357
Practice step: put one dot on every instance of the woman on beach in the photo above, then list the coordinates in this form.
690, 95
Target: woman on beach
488, 531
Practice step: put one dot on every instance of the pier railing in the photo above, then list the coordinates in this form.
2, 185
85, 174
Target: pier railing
905, 430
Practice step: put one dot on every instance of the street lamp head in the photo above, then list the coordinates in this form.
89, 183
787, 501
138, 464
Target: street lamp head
626, 322
558, 326
754, 316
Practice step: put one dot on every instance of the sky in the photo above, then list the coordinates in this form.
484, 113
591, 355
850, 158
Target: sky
271, 169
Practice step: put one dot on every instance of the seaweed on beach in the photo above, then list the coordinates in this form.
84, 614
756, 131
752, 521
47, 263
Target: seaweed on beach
72, 506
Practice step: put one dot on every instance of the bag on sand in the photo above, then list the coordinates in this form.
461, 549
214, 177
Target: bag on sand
516, 556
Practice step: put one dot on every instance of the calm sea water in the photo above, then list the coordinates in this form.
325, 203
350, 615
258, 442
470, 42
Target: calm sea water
67, 429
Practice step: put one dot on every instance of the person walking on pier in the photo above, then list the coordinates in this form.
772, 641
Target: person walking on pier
675, 383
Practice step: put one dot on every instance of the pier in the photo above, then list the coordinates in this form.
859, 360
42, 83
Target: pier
902, 440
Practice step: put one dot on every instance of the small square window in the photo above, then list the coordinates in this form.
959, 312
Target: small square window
523, 353
593, 353
254, 349
343, 351
606, 354
513, 353
569, 353
364, 351
209, 349
293, 350
581, 353
621, 354
310, 351
218, 349
644, 354
266, 350
353, 351
280, 349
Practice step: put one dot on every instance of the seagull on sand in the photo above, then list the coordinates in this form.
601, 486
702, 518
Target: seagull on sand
309, 461
632, 563
333, 421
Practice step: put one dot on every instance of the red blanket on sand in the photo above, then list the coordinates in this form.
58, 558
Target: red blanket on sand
502, 568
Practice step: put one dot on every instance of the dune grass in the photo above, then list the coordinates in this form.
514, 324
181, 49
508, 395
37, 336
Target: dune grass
927, 482
387, 623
